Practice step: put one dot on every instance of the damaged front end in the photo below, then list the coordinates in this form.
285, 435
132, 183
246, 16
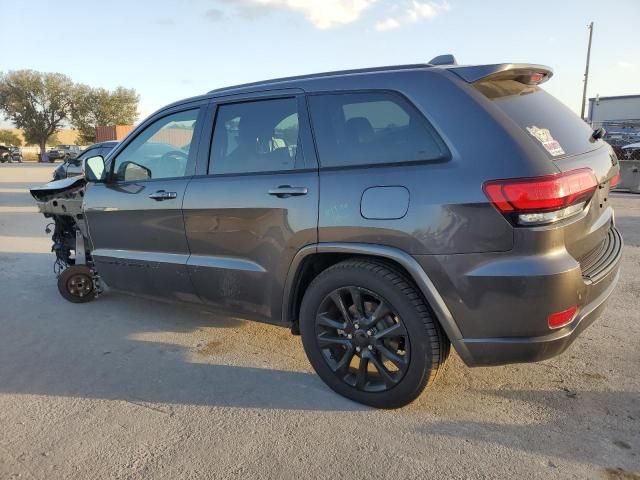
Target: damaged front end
62, 201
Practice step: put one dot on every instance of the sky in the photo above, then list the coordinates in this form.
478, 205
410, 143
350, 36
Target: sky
171, 49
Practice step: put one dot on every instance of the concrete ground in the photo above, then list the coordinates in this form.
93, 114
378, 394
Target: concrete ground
128, 388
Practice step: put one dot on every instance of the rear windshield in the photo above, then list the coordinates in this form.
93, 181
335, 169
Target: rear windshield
544, 118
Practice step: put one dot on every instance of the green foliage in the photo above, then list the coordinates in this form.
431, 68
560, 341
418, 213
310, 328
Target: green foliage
95, 107
9, 138
38, 103
42, 103
54, 140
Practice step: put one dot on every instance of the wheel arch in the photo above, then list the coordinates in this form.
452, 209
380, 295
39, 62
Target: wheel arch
303, 269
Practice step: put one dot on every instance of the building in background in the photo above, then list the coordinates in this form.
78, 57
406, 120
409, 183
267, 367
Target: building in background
620, 116
112, 132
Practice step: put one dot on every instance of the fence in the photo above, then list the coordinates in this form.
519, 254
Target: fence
33, 152
30, 153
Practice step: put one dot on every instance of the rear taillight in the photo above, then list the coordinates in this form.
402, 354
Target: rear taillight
541, 200
614, 180
537, 77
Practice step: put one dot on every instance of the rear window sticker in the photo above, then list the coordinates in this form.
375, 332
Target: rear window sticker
543, 135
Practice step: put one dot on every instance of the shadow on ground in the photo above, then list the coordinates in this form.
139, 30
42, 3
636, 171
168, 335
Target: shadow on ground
94, 350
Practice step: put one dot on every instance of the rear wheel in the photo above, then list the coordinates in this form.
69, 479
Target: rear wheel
75, 284
369, 335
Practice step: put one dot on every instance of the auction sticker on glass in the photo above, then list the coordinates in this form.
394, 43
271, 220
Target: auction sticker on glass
543, 135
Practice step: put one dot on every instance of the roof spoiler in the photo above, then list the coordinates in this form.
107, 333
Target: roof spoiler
526, 73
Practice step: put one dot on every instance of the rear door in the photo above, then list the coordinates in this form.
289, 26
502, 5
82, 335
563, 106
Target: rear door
135, 218
254, 205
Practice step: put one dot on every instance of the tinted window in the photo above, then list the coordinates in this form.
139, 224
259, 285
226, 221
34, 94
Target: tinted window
541, 116
89, 152
368, 128
160, 151
104, 151
256, 136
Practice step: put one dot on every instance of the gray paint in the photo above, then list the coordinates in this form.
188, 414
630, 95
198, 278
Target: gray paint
384, 203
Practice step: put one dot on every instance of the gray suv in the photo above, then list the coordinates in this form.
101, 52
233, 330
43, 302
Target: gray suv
384, 214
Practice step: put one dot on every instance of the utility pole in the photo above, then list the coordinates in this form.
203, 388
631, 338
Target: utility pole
586, 71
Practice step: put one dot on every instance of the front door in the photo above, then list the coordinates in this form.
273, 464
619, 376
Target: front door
254, 208
135, 217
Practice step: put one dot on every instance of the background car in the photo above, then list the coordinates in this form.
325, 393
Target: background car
64, 152
73, 167
631, 151
16, 154
5, 154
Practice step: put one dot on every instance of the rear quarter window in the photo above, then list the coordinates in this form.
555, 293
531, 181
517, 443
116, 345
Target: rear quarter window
534, 110
371, 128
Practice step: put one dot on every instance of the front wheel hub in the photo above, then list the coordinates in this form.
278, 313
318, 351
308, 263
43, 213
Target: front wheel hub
361, 339
80, 285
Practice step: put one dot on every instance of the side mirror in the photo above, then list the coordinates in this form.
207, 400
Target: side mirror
94, 169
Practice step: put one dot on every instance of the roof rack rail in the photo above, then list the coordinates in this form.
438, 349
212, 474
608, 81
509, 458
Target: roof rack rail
321, 75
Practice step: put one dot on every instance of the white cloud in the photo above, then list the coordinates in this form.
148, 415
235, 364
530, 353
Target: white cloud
324, 14
388, 24
415, 11
624, 64
321, 13
419, 10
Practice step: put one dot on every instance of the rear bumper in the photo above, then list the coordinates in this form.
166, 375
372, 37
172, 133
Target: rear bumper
500, 302
499, 351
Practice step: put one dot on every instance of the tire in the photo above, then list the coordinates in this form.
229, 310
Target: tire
75, 284
408, 334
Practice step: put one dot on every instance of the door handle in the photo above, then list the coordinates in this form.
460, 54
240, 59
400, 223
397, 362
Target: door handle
284, 191
162, 195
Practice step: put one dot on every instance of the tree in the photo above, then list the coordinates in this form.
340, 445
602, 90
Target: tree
38, 103
97, 107
54, 140
9, 138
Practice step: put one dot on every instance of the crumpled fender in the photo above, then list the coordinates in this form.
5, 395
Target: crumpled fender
56, 187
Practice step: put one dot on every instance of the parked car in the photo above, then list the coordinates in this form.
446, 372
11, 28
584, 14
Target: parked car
63, 152
16, 154
72, 167
631, 151
385, 214
5, 154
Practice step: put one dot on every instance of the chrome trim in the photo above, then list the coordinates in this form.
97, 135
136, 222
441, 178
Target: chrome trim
143, 256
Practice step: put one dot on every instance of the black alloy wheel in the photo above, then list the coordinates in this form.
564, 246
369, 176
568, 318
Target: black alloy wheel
362, 339
369, 334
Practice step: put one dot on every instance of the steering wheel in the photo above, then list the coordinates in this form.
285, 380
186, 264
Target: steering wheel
173, 164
